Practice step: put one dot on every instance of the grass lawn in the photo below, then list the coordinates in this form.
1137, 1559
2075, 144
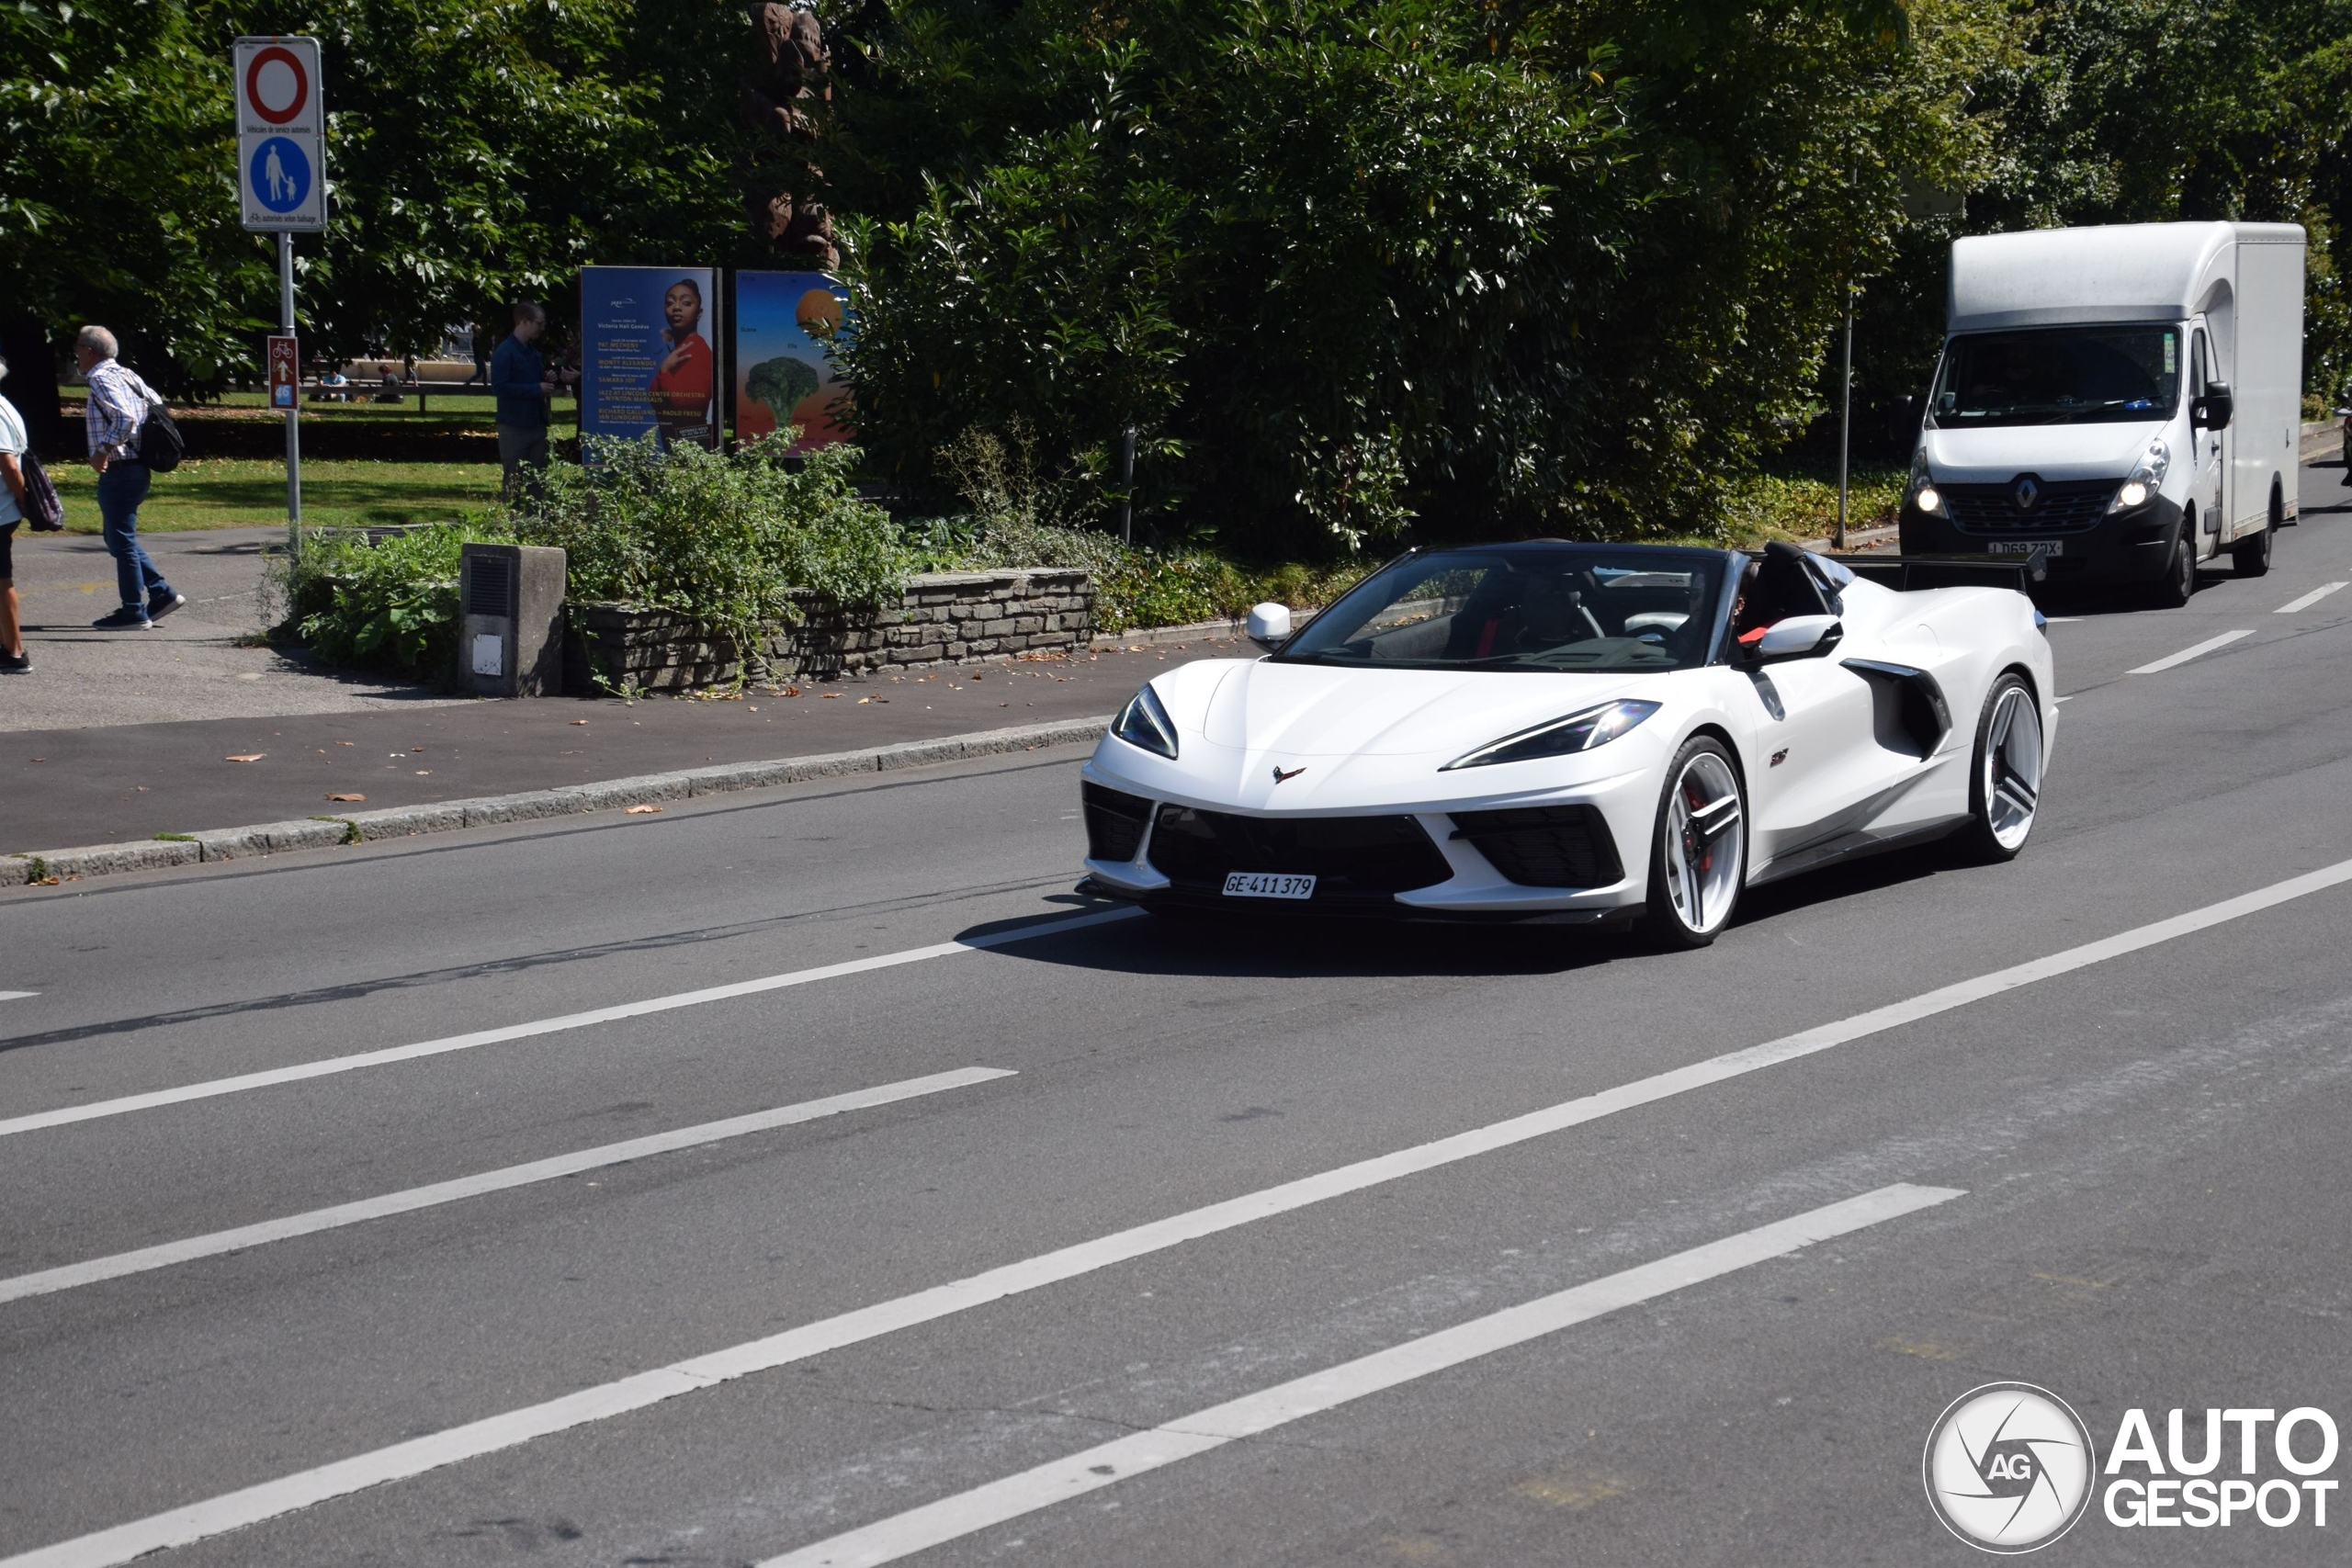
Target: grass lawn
233, 492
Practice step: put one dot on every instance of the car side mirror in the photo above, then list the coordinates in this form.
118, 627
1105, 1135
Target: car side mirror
1269, 624
2212, 411
1799, 636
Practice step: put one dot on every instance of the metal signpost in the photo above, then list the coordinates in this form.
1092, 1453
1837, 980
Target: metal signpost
281, 173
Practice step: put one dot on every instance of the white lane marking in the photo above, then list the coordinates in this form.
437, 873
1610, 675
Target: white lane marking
66, 1116
1107, 1464
268, 1499
2060, 620
2308, 600
2186, 654
16, 996
189, 1248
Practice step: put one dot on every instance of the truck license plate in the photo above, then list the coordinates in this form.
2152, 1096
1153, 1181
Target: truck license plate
2027, 547
1267, 885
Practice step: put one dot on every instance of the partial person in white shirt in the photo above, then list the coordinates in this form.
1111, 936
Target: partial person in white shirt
13, 446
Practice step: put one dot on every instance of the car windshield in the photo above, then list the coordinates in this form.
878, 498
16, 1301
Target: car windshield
2059, 375
1527, 608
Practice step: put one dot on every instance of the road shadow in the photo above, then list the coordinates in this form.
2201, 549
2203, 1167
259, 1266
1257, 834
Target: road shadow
1241, 946
1244, 947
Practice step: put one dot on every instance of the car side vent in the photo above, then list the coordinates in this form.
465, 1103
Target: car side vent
1908, 713
1115, 822
1546, 846
490, 588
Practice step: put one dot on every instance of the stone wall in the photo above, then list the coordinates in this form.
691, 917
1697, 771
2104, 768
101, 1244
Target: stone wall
944, 617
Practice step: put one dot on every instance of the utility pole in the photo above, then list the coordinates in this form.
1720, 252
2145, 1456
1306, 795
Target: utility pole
1127, 488
1845, 414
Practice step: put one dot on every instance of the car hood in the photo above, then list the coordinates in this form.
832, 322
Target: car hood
2052, 451
1263, 707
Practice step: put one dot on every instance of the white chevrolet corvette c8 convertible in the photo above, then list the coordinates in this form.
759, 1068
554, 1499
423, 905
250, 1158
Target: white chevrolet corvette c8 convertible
1576, 732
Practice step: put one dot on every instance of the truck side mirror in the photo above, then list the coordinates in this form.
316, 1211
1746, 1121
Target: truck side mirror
2212, 411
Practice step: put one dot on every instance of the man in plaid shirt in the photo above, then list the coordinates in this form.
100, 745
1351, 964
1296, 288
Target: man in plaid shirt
115, 412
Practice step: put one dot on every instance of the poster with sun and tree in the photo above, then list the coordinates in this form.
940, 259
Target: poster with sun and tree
782, 321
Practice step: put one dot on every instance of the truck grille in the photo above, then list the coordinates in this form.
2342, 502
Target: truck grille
1346, 855
1546, 846
2061, 507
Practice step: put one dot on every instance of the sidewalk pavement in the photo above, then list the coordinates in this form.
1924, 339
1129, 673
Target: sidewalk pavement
120, 784
187, 668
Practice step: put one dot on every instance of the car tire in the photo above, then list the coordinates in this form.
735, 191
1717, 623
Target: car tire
1701, 819
2179, 580
2005, 774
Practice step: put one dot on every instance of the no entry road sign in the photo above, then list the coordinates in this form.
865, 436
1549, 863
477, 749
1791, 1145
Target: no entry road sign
281, 126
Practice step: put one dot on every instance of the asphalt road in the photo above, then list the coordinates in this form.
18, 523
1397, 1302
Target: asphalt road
1208, 1163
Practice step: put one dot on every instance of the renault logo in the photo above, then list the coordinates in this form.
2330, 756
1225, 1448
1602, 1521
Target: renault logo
2028, 491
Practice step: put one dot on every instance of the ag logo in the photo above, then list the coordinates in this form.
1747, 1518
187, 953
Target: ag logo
2009, 1467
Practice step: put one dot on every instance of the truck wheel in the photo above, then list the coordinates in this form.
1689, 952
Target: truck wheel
2251, 557
2179, 580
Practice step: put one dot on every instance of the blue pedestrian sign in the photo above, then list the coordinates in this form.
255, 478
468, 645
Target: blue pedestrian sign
280, 176
281, 133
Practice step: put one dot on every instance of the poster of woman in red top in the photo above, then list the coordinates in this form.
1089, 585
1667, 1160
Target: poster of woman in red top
682, 385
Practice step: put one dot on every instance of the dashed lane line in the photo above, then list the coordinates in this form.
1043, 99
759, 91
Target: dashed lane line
1107, 1464
16, 996
2186, 654
418, 1455
68, 1114
190, 1248
2308, 600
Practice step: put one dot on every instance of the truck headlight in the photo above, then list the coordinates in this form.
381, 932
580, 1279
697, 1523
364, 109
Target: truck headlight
1145, 723
1923, 494
2146, 478
1579, 732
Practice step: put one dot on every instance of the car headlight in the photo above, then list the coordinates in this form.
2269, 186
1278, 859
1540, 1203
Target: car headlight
1923, 485
2146, 478
1145, 723
1578, 733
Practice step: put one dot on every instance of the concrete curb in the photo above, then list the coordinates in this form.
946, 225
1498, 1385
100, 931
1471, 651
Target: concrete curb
1196, 631
570, 800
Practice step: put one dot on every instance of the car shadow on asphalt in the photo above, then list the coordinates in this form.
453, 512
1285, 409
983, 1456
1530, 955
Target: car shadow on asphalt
1245, 946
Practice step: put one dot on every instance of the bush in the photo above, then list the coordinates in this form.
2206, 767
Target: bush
391, 606
724, 539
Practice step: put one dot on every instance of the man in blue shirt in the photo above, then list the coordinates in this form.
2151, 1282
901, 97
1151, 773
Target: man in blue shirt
519, 376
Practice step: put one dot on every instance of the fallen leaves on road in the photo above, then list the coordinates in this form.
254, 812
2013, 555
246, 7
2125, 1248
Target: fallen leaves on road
356, 797
829, 697
792, 691
578, 721
644, 811
246, 757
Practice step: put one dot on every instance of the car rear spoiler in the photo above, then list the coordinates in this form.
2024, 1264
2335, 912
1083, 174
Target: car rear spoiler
1910, 573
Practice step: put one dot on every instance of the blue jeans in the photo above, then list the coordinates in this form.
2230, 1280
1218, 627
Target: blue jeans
120, 490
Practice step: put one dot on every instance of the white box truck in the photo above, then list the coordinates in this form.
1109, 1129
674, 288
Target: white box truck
2124, 400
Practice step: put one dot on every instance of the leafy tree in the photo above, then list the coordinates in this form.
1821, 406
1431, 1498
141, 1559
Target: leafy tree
1557, 267
477, 151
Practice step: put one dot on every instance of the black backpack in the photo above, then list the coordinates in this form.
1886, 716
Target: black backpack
161, 444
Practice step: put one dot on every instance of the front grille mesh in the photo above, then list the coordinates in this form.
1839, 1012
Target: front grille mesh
1115, 822
1546, 846
2064, 507
1346, 855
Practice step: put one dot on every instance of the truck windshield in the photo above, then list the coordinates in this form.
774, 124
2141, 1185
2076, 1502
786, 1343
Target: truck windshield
2059, 375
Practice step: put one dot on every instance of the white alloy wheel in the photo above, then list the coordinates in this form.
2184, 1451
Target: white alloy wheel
1700, 859
2005, 792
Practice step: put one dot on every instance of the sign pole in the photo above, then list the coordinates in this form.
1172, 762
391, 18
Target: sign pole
294, 411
